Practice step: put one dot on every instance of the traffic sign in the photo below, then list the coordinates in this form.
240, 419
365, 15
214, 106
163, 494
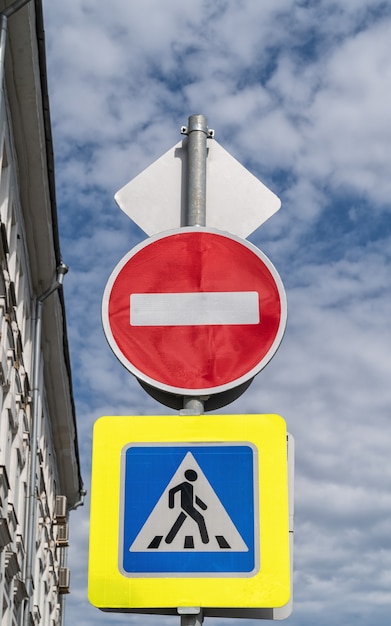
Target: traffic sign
180, 518
194, 311
236, 200
195, 526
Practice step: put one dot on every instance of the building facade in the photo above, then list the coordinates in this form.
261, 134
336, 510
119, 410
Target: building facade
40, 479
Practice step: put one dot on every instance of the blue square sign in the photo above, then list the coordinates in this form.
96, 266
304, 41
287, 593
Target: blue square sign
189, 509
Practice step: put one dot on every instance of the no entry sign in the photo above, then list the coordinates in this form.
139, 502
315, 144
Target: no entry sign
194, 311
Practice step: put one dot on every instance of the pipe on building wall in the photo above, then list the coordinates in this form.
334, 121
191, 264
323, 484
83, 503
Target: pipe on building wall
83, 493
32, 488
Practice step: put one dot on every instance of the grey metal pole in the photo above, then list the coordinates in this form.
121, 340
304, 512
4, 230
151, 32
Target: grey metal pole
197, 132
194, 617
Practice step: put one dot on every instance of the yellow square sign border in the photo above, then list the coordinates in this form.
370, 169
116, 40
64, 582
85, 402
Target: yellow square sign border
269, 587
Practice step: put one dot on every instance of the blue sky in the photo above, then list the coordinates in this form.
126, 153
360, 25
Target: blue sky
299, 93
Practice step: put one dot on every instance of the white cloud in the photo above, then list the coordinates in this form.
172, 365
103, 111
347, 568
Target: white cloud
352, 136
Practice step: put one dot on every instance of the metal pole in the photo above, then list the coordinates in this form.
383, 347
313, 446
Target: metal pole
194, 616
197, 132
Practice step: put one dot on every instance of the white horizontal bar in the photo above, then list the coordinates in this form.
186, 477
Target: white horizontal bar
194, 309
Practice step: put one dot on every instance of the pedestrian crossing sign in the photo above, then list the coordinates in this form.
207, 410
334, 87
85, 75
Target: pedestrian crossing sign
181, 516
189, 521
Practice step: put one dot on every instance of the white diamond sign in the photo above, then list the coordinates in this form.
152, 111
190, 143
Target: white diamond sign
236, 201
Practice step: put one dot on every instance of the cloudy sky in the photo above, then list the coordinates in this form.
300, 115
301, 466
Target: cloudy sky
299, 91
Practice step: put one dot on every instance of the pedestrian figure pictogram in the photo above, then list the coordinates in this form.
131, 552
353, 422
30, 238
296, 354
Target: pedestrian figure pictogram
187, 501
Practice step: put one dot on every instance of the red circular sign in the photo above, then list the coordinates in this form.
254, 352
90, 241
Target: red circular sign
194, 311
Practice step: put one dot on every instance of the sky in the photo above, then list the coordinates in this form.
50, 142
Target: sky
299, 92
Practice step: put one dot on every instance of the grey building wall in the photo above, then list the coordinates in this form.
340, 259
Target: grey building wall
40, 479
